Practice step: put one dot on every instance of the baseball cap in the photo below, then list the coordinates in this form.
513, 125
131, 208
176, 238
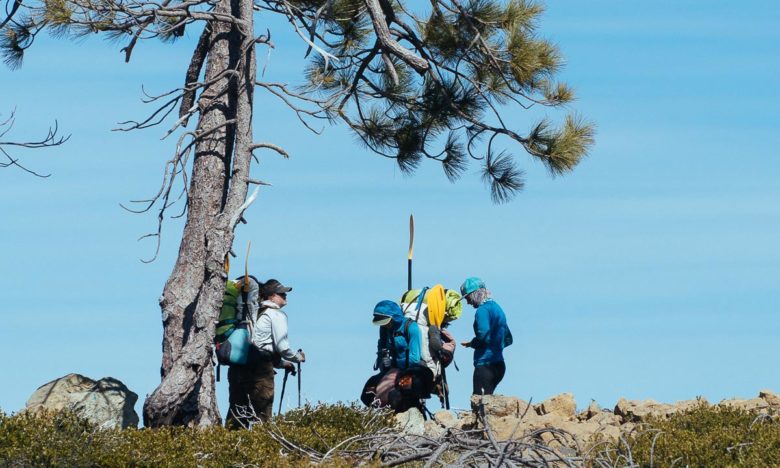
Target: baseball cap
274, 286
471, 285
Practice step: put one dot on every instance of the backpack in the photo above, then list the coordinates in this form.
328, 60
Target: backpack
233, 334
438, 347
453, 306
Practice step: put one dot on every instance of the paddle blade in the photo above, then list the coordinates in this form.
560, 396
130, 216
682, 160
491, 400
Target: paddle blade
411, 235
246, 267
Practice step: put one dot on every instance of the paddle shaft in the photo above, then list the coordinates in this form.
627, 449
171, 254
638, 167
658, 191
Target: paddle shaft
411, 252
409, 275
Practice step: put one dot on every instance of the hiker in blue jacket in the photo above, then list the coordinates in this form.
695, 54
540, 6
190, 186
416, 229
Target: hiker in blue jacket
400, 341
407, 381
492, 335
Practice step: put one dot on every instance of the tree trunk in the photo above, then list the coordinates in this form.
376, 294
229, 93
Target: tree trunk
193, 294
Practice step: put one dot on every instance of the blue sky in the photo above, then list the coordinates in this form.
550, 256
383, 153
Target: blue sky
651, 271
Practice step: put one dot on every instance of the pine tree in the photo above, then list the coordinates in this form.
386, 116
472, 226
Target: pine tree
413, 80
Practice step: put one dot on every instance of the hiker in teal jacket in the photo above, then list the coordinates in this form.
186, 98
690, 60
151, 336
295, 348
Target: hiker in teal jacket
399, 345
492, 335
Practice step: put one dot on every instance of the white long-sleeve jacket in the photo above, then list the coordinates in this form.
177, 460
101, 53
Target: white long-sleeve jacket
269, 332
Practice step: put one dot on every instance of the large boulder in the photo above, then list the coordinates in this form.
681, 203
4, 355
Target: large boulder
641, 411
107, 402
499, 405
410, 422
772, 398
687, 405
592, 410
562, 405
754, 404
445, 418
606, 418
433, 429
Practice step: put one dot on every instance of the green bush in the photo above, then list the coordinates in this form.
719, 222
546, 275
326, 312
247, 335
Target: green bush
706, 436
62, 439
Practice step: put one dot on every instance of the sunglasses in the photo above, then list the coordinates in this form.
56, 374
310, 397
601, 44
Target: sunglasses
282, 295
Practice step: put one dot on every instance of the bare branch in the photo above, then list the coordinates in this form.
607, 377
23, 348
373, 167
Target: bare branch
49, 140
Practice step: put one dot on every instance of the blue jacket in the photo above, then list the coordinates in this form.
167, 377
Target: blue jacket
392, 338
490, 333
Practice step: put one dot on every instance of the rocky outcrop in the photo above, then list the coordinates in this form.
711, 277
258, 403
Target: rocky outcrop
509, 417
107, 402
411, 422
562, 405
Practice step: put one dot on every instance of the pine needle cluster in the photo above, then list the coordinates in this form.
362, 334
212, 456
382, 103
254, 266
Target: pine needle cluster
482, 57
414, 80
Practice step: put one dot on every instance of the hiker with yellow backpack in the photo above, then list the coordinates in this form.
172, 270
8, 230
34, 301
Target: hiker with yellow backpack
434, 309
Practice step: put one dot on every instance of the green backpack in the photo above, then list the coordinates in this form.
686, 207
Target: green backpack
232, 338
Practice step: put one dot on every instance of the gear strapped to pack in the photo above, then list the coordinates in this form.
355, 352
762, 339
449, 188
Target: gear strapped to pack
233, 331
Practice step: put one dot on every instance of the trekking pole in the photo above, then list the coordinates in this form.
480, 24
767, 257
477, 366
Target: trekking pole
411, 248
446, 388
299, 383
284, 385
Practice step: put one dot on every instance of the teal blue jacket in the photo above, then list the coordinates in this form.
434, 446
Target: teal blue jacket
490, 334
401, 343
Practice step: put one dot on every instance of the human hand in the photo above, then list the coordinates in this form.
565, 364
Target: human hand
289, 367
387, 362
303, 355
466, 344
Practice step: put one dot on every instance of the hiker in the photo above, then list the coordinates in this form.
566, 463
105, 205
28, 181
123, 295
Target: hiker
434, 309
400, 342
492, 335
252, 385
404, 380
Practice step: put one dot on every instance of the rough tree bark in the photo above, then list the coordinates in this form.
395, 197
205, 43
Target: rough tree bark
193, 294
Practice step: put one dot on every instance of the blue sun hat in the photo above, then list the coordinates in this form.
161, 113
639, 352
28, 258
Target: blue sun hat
384, 311
471, 285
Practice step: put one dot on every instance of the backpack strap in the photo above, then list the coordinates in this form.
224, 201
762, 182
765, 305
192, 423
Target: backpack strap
406, 337
245, 299
419, 302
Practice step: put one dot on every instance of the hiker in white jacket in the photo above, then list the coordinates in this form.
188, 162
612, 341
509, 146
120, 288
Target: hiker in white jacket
269, 332
252, 385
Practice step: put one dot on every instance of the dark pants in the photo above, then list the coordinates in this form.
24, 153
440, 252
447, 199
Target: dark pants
251, 394
487, 377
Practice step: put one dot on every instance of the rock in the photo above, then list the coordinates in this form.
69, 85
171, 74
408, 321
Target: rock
466, 421
592, 410
754, 404
687, 405
499, 405
772, 398
411, 422
640, 411
506, 427
583, 432
563, 405
433, 429
610, 433
445, 418
606, 418
108, 403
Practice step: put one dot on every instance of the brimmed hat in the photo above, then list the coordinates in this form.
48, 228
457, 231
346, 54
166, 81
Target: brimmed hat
381, 320
273, 286
384, 311
471, 285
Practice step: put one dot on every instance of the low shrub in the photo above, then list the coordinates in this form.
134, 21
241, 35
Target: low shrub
705, 436
62, 439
